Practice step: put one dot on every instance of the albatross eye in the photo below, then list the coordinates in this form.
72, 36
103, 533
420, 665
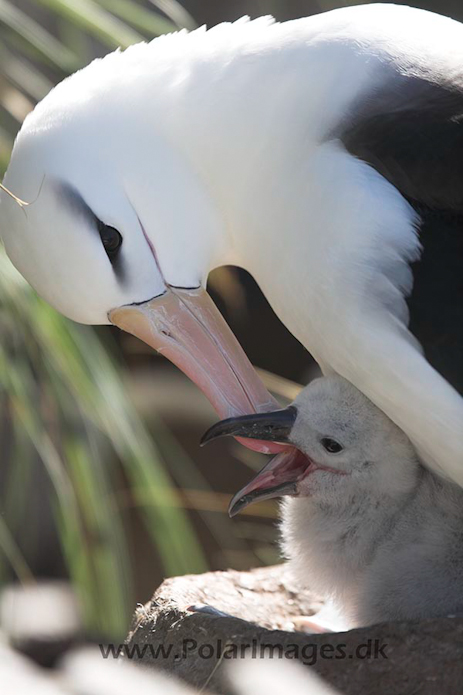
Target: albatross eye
331, 445
110, 238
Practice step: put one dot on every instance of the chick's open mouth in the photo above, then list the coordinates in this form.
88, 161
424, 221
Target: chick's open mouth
280, 476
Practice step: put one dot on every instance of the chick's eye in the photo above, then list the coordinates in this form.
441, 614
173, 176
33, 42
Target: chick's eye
110, 238
331, 445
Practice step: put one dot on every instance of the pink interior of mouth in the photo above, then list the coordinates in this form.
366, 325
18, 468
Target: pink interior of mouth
294, 465
290, 465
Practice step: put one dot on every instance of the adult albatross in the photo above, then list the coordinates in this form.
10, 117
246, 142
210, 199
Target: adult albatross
320, 154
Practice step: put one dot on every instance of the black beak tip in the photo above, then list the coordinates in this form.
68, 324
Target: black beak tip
222, 428
208, 436
235, 506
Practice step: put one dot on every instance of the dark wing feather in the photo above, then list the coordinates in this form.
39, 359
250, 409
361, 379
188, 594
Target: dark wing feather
410, 130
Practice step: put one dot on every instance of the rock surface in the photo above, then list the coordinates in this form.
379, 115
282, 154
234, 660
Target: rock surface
195, 626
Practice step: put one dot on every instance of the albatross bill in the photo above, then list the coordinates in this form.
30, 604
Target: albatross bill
185, 326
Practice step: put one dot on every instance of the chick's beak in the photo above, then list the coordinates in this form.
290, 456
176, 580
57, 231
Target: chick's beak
186, 327
273, 426
282, 473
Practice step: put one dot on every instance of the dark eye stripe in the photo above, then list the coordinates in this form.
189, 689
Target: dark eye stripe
74, 201
110, 237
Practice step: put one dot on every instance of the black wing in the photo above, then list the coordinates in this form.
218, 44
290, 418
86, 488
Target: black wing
410, 130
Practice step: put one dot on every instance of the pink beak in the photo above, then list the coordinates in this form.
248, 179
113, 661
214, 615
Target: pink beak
186, 327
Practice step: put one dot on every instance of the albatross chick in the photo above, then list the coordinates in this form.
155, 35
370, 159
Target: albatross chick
364, 522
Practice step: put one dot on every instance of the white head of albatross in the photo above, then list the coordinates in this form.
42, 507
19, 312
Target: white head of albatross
257, 144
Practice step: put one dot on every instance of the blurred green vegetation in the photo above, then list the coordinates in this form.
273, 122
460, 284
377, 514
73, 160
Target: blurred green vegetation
62, 397
64, 400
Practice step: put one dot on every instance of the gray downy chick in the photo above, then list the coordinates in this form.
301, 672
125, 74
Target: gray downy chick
364, 523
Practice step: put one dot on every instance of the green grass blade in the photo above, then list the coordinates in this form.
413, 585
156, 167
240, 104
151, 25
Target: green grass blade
90, 16
148, 23
13, 555
176, 12
23, 75
76, 38
105, 533
37, 36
